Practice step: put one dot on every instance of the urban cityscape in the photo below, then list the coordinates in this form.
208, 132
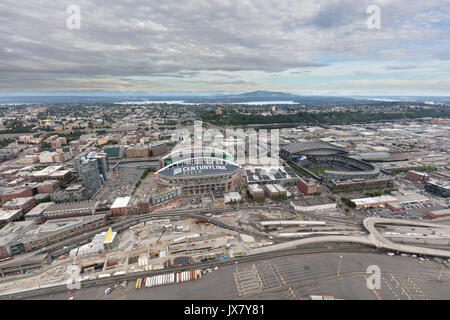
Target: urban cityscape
186, 187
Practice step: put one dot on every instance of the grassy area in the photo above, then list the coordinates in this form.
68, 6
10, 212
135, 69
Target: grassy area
319, 170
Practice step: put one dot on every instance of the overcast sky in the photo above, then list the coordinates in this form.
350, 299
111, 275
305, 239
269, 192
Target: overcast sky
298, 46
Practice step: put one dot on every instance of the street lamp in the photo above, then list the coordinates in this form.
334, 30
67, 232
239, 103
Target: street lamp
339, 267
439, 279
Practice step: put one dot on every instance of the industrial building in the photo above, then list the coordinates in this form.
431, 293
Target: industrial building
309, 186
438, 213
313, 204
374, 201
411, 198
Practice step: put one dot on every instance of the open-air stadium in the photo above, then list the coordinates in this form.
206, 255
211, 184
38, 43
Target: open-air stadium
314, 155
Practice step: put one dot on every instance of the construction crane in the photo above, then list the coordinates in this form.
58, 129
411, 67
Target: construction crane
159, 239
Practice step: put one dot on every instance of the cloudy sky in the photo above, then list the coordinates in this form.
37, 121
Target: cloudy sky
298, 46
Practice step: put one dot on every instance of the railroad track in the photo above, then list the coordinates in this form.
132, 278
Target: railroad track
135, 275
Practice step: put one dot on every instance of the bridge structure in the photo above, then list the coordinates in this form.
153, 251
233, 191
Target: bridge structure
375, 238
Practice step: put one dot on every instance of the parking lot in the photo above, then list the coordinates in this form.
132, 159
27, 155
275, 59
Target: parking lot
295, 277
119, 184
410, 211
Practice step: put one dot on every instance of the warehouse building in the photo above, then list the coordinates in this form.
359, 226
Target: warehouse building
313, 204
438, 213
411, 198
309, 186
374, 201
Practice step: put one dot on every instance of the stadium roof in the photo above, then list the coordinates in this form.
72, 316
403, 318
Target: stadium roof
199, 167
312, 147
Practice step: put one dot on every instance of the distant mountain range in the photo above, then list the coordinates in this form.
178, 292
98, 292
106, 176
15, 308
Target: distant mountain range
100, 96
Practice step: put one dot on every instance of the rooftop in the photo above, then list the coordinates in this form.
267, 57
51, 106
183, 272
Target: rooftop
18, 201
121, 202
8, 214
384, 198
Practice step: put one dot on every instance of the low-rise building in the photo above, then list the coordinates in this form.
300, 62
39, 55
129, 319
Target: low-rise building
7, 194
232, 197
361, 183
309, 186
10, 215
69, 210
36, 214
219, 198
417, 176
438, 213
256, 191
157, 149
48, 186
313, 204
73, 193
270, 190
374, 201
54, 231
137, 152
120, 206
24, 204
